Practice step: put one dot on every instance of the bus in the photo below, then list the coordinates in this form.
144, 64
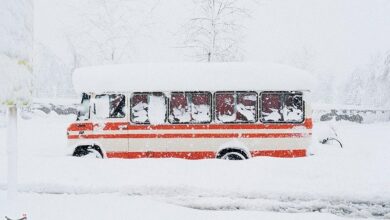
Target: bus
232, 111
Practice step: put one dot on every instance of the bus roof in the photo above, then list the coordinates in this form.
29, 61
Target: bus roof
144, 77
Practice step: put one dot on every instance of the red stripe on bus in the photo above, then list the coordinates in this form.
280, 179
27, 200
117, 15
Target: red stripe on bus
117, 126
80, 127
204, 154
228, 135
279, 153
184, 155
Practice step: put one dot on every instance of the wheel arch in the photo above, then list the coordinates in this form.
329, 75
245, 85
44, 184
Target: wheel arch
243, 151
89, 145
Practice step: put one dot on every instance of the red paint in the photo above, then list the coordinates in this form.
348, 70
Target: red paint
203, 154
224, 135
280, 153
116, 126
183, 155
80, 127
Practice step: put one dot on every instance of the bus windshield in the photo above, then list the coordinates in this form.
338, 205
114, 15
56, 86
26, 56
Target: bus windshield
83, 110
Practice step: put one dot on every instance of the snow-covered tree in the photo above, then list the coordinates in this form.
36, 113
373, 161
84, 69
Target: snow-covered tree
15, 83
370, 85
215, 31
16, 26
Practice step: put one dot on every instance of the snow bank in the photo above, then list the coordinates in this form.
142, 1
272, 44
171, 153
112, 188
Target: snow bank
352, 178
190, 77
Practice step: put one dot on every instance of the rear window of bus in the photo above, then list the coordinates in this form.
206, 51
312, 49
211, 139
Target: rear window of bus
281, 107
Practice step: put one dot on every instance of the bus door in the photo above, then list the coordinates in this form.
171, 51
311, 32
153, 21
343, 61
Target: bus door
110, 124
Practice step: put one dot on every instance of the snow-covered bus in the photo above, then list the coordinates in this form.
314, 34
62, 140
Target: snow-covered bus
230, 111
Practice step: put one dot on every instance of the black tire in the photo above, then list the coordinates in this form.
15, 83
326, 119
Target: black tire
88, 151
232, 154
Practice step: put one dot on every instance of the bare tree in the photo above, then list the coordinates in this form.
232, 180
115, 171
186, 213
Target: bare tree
214, 34
107, 31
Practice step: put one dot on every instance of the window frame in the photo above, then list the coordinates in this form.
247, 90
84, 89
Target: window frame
283, 104
235, 93
147, 93
210, 95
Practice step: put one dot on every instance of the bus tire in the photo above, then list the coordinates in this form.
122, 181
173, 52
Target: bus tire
88, 151
232, 154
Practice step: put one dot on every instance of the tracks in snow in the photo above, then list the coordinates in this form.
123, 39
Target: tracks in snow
202, 199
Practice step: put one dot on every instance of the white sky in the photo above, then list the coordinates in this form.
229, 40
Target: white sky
338, 35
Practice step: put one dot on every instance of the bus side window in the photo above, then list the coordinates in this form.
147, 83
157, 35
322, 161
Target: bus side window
282, 107
139, 108
148, 108
231, 107
293, 108
109, 106
200, 107
179, 110
224, 107
190, 107
271, 107
246, 107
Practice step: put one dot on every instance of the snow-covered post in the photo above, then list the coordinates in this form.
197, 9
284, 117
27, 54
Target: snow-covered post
12, 160
15, 92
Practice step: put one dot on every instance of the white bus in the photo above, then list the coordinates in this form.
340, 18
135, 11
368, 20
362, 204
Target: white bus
194, 111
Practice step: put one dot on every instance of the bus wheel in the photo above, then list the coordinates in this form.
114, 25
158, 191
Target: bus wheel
233, 154
88, 152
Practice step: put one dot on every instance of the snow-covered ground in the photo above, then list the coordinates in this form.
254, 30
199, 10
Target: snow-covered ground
333, 183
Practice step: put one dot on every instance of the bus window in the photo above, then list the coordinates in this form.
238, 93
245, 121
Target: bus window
281, 107
224, 106
148, 108
200, 107
179, 109
109, 106
246, 107
293, 108
117, 105
236, 107
194, 107
271, 107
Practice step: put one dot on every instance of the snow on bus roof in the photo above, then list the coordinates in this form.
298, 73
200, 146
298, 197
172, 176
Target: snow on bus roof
144, 77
